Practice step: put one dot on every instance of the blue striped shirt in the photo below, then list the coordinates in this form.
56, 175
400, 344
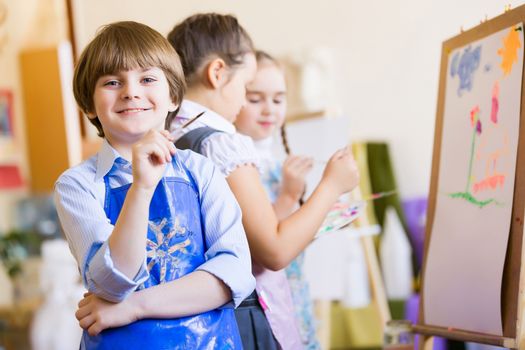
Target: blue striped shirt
79, 198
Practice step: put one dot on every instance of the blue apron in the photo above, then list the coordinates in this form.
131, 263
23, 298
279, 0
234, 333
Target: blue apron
175, 247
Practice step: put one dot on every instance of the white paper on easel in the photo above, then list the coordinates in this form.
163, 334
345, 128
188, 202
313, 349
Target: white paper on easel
464, 266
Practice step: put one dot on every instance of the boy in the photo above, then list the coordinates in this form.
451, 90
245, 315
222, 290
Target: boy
141, 214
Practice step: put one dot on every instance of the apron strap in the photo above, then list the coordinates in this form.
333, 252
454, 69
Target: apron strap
193, 139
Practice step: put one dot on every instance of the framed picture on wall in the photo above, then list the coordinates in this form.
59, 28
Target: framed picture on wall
6, 113
10, 175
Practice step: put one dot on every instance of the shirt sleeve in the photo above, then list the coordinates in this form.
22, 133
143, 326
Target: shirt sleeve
87, 230
227, 255
229, 151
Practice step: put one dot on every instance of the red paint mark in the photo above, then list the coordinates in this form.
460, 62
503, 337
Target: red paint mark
490, 182
474, 115
495, 103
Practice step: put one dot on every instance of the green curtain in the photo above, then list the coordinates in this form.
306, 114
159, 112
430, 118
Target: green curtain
382, 179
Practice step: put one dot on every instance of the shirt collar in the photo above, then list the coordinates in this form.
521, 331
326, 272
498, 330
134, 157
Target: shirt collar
106, 158
189, 109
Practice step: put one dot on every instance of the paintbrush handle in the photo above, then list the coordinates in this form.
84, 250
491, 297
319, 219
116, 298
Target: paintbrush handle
192, 120
379, 195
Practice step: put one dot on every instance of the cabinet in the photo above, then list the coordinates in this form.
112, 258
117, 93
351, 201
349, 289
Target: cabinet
52, 124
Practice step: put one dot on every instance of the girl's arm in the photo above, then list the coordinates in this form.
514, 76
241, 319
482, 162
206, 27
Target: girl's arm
192, 294
275, 244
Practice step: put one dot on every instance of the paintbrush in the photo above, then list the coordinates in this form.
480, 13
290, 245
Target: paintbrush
378, 195
191, 120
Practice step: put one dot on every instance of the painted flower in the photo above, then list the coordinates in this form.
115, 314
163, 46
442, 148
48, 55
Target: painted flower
474, 115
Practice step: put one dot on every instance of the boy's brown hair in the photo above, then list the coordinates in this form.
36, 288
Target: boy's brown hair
205, 36
123, 46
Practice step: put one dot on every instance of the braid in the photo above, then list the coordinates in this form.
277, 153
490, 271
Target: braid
263, 56
284, 139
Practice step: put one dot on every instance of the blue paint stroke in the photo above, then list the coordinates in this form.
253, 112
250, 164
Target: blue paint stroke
454, 64
464, 67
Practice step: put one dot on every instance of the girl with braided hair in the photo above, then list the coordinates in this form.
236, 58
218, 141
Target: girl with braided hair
219, 61
261, 116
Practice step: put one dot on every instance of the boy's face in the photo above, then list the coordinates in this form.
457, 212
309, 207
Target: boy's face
130, 103
265, 107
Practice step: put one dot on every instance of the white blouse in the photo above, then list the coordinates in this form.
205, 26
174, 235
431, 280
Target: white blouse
227, 149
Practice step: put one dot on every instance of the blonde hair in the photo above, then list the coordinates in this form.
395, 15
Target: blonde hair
265, 59
119, 47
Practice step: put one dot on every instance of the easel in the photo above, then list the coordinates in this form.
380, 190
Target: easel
298, 138
374, 271
513, 285
378, 295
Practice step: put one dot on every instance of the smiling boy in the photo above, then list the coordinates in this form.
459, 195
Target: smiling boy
141, 215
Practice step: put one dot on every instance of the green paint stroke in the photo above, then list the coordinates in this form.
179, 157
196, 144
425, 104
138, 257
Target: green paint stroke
471, 199
466, 195
472, 148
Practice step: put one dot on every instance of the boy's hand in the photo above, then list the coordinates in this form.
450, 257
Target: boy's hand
294, 172
95, 314
150, 156
341, 171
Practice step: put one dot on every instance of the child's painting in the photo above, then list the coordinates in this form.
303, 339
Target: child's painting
475, 185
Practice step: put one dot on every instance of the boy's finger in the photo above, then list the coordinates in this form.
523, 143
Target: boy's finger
82, 312
172, 148
94, 329
168, 148
83, 301
157, 153
86, 322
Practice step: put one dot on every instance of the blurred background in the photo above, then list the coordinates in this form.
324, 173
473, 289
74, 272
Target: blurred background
359, 72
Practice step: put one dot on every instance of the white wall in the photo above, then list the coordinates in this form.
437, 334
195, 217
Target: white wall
387, 54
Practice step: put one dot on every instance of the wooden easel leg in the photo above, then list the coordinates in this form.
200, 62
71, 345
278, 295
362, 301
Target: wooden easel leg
425, 343
323, 314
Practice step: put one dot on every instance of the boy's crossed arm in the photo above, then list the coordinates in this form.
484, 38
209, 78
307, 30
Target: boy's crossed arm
225, 275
